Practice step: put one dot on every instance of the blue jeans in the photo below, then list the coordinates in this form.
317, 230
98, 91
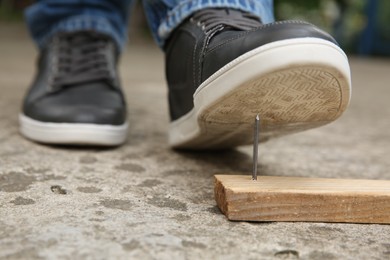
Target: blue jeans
47, 17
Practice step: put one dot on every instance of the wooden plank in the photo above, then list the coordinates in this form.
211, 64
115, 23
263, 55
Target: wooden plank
272, 198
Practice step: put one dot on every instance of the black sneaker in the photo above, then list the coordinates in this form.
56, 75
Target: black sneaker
76, 96
224, 67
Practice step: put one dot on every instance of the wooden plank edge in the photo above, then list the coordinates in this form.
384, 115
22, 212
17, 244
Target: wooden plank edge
380, 215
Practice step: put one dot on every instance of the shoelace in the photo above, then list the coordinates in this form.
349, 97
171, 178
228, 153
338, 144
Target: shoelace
82, 57
217, 19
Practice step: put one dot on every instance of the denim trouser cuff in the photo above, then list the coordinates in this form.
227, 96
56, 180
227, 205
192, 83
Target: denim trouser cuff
47, 17
263, 9
83, 22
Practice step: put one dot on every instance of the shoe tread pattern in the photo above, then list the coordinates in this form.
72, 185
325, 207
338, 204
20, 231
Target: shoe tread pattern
288, 101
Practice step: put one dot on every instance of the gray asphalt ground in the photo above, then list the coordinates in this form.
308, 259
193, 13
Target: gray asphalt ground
145, 201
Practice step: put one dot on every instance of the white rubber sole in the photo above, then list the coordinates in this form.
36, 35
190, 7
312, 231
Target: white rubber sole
72, 134
293, 85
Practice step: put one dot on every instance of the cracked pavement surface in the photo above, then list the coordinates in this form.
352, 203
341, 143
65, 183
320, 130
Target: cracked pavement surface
145, 201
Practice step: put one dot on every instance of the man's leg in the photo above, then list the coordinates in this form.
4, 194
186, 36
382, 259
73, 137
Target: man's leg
166, 15
47, 17
226, 62
76, 97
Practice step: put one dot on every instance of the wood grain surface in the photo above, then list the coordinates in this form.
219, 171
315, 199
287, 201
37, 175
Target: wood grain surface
273, 198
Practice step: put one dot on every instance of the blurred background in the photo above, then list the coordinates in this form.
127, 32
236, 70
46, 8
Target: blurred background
360, 26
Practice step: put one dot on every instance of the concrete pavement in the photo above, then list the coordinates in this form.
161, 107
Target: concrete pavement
145, 201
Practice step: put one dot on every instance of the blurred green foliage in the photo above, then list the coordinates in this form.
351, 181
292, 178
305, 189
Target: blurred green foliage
384, 20
345, 19
12, 10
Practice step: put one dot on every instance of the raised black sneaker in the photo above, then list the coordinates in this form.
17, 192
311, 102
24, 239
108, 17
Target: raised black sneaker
76, 96
224, 67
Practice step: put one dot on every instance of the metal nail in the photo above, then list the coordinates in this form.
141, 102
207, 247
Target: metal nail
255, 147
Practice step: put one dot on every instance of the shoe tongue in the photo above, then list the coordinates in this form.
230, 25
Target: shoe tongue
83, 37
222, 37
219, 19
222, 24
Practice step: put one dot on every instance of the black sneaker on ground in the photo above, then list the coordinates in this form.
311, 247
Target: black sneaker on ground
224, 67
76, 96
